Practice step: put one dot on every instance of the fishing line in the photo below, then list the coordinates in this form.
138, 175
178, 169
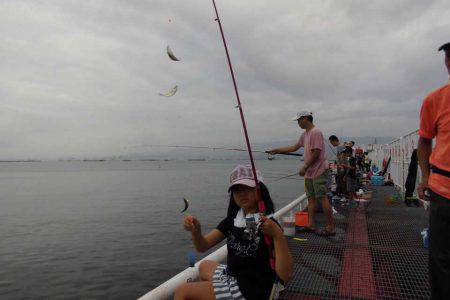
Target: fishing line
210, 148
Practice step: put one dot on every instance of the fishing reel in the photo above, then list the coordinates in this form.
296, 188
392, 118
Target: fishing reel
251, 229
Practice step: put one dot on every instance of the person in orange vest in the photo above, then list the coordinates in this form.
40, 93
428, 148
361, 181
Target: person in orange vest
435, 183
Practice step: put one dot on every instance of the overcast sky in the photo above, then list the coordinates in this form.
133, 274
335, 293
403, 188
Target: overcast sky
81, 78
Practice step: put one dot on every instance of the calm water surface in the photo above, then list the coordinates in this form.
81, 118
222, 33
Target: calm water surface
96, 230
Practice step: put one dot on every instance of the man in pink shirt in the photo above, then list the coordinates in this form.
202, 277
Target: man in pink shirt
315, 170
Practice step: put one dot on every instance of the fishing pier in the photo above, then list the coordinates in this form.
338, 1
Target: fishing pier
377, 253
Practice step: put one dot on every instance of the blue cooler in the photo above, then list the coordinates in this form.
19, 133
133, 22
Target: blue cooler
377, 180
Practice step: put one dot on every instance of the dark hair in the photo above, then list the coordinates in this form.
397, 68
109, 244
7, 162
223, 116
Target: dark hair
348, 149
233, 208
333, 138
353, 142
310, 118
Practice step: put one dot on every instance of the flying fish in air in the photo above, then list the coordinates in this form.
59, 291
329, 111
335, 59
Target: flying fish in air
186, 204
171, 55
171, 92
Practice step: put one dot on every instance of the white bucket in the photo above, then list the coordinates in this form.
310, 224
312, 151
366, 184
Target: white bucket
288, 226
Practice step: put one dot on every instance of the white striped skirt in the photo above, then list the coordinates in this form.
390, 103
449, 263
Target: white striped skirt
225, 286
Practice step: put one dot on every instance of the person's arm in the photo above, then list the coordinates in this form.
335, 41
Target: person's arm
287, 149
424, 149
284, 263
352, 164
427, 132
315, 153
339, 162
202, 243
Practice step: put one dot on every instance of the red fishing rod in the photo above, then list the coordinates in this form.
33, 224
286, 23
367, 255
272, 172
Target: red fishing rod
261, 205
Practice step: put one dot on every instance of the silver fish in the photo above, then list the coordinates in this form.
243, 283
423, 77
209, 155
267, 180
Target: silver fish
171, 92
171, 55
186, 205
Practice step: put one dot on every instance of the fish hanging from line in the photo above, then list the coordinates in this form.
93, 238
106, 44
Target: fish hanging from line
171, 92
186, 205
170, 54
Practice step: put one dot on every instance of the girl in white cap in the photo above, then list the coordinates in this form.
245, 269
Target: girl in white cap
248, 273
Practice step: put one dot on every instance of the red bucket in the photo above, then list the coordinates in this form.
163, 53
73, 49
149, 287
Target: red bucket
301, 219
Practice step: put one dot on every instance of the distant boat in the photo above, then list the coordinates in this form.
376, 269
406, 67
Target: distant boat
91, 160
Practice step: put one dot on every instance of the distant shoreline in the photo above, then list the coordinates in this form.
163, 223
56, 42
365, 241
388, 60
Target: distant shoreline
28, 160
131, 160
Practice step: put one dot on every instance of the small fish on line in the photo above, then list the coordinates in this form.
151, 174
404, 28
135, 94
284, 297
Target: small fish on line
171, 92
170, 54
186, 205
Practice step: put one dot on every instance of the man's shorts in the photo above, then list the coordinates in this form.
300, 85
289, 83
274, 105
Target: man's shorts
317, 187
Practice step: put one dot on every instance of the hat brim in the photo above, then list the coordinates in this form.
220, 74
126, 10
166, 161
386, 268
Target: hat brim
445, 47
297, 118
244, 181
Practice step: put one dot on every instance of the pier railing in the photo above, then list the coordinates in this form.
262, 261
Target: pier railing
167, 289
399, 150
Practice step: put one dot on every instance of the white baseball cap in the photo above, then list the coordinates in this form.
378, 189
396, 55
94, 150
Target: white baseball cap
303, 113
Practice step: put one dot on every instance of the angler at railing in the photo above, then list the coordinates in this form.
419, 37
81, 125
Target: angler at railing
167, 289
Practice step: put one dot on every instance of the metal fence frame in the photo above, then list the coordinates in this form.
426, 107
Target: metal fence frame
399, 151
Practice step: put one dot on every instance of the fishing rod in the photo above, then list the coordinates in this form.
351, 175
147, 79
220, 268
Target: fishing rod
213, 148
285, 177
261, 205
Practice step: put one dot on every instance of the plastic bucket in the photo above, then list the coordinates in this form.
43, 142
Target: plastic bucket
288, 226
377, 180
301, 219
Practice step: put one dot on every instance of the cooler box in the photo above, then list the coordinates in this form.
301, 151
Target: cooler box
377, 180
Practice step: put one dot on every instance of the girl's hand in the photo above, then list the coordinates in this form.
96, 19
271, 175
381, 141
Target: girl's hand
191, 224
423, 186
269, 227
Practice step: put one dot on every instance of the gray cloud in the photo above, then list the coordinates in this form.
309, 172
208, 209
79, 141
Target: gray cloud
82, 78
